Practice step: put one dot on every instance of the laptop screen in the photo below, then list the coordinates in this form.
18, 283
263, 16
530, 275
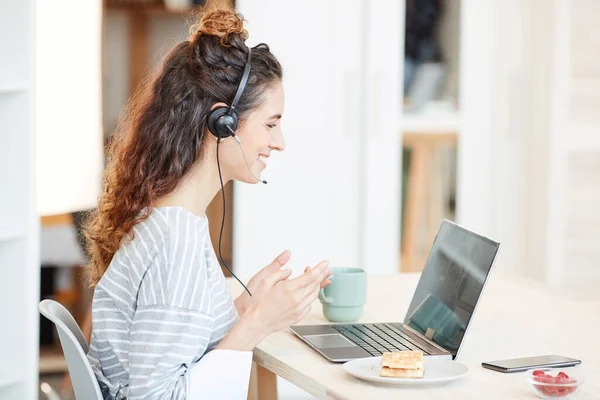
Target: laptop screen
450, 285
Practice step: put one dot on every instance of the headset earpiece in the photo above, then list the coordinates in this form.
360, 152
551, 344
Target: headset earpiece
221, 122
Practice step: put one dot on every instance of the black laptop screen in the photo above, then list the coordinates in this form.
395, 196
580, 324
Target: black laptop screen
450, 285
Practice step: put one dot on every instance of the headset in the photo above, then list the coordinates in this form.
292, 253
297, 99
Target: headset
223, 123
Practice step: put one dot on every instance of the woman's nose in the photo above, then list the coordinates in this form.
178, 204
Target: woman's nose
277, 142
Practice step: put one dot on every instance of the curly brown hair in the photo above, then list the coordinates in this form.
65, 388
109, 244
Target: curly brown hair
160, 134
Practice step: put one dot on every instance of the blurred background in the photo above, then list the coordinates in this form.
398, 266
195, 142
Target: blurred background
398, 114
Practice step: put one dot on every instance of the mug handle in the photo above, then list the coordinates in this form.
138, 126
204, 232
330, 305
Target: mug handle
323, 298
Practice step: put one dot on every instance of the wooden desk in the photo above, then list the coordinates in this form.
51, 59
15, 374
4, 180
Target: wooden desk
515, 318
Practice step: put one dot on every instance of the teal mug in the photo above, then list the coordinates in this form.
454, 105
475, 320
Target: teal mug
344, 298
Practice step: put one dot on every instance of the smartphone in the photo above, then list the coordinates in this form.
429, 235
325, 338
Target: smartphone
523, 364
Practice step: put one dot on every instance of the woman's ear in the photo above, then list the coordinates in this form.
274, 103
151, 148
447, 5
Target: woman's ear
217, 105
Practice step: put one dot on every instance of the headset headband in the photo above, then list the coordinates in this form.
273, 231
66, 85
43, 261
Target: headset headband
242, 84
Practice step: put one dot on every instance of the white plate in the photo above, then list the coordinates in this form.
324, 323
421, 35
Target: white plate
437, 371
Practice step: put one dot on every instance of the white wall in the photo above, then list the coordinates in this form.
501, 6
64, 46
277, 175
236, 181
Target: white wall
311, 202
69, 125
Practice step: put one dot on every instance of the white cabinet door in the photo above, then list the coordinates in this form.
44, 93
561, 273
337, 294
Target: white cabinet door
546, 149
380, 145
573, 219
311, 203
475, 202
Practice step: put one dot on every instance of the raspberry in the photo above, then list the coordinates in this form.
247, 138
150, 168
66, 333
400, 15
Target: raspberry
548, 388
561, 376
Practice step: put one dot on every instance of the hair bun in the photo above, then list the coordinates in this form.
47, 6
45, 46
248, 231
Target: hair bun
220, 23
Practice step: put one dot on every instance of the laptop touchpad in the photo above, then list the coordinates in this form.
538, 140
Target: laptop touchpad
329, 341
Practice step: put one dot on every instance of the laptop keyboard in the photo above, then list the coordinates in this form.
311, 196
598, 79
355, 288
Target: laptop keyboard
379, 338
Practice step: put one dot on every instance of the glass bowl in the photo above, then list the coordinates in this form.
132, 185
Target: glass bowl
550, 383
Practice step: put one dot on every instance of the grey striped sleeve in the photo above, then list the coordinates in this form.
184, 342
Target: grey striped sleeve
162, 305
165, 342
172, 324
178, 276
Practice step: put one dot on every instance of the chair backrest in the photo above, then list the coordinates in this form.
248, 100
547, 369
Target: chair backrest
75, 348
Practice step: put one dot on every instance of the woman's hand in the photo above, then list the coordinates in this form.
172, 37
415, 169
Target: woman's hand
280, 302
276, 303
241, 303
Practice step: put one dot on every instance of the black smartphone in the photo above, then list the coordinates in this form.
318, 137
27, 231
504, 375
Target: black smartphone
523, 364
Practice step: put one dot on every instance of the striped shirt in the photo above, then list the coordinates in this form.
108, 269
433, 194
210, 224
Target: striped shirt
160, 306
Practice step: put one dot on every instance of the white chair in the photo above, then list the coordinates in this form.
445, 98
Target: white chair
75, 348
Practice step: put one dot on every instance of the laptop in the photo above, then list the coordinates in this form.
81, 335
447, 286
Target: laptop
442, 306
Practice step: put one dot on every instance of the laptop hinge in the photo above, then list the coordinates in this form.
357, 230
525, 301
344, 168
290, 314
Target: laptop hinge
424, 338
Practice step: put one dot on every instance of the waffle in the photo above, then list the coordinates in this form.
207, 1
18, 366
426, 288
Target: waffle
403, 364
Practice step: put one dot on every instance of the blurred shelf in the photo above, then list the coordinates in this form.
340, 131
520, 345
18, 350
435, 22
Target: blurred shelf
59, 219
59, 246
15, 234
13, 88
431, 123
52, 360
9, 378
151, 8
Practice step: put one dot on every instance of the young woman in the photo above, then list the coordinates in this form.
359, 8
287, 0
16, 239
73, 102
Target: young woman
164, 323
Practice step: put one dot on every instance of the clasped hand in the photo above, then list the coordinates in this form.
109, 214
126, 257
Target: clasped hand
280, 301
